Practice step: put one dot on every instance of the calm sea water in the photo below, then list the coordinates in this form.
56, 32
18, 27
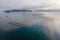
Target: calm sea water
37, 26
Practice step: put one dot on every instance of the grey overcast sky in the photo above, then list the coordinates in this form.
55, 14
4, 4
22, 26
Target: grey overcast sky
14, 4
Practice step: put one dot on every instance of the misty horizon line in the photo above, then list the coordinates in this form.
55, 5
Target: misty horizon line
27, 10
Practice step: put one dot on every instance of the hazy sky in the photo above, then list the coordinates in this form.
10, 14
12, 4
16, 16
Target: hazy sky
13, 4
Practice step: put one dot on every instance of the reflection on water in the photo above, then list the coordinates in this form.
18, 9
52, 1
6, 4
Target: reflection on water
27, 26
34, 32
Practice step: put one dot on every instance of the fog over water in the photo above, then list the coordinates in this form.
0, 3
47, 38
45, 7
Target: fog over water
33, 25
48, 20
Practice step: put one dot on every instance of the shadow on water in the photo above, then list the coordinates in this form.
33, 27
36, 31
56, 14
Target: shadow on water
35, 32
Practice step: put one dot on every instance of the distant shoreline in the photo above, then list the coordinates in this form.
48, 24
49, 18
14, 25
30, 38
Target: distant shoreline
49, 10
